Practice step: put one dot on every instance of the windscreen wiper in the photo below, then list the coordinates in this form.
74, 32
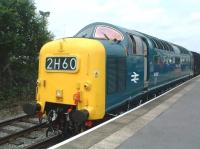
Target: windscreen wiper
106, 36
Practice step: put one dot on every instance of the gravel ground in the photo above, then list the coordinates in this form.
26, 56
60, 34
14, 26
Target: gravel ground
11, 109
22, 142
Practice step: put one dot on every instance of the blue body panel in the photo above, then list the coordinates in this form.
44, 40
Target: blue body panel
128, 75
133, 64
159, 73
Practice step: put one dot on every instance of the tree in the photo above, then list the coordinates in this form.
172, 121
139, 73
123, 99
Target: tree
22, 33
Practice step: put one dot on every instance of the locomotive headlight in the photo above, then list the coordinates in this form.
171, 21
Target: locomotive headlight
38, 83
59, 93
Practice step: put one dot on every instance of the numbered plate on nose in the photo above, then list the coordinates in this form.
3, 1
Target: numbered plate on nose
61, 63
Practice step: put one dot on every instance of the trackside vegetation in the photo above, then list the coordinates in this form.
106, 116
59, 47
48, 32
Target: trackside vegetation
22, 33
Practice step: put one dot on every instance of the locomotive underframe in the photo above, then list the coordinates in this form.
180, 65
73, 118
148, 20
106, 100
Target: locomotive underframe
65, 118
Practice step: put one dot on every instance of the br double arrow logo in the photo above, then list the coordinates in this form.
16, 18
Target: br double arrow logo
135, 77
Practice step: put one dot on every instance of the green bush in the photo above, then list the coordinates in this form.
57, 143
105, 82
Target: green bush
22, 33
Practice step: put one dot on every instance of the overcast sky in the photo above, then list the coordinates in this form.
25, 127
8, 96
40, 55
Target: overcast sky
177, 21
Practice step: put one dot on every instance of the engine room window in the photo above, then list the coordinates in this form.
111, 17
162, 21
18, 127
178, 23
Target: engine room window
177, 60
156, 59
104, 32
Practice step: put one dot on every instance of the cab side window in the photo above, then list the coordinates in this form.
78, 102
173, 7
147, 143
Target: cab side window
85, 33
137, 45
132, 45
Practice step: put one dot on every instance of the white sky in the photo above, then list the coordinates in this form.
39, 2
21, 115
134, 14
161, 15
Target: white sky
177, 21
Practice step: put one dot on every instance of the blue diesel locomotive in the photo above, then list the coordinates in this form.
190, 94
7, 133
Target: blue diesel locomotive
99, 69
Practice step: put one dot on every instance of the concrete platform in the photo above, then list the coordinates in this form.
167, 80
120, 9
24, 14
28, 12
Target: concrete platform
171, 121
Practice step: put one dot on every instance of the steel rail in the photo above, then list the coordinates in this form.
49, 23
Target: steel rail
7, 138
19, 118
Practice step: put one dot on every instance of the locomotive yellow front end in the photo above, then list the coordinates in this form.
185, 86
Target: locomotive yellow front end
72, 72
71, 79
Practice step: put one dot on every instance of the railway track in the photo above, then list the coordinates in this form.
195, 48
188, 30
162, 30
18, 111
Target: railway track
24, 132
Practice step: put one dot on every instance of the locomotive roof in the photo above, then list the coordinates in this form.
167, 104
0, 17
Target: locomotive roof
159, 43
